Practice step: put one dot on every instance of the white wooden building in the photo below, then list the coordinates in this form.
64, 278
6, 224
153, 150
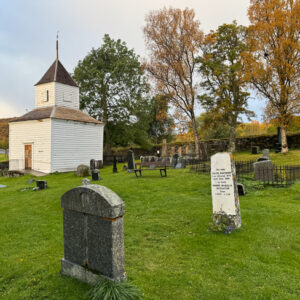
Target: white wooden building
56, 135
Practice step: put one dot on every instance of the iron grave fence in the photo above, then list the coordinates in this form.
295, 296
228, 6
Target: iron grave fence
274, 175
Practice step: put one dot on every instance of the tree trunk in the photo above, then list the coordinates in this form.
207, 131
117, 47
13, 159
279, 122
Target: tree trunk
284, 144
107, 140
195, 132
231, 147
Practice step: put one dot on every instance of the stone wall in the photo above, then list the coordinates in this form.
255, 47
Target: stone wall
214, 146
242, 144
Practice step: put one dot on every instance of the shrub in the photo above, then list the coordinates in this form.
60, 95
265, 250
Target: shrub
107, 289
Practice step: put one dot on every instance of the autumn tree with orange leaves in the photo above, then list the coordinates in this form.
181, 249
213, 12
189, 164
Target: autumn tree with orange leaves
173, 38
274, 62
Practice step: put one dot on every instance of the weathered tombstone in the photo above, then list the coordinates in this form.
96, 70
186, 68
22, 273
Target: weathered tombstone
92, 165
225, 199
41, 184
98, 164
174, 160
266, 153
241, 189
181, 163
131, 161
115, 169
264, 171
95, 175
255, 149
93, 233
82, 170
164, 148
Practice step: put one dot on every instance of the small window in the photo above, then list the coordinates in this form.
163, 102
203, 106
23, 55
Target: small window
47, 96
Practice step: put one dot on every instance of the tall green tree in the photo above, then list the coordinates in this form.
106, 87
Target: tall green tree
224, 82
212, 126
113, 89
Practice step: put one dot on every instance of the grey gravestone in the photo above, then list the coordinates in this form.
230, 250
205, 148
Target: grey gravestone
241, 189
82, 170
226, 206
264, 171
174, 160
41, 184
181, 163
92, 165
255, 149
266, 153
95, 175
178, 166
115, 169
131, 161
93, 233
99, 164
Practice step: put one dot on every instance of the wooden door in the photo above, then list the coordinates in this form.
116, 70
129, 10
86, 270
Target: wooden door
28, 156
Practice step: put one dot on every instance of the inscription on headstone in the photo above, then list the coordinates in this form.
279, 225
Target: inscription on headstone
225, 200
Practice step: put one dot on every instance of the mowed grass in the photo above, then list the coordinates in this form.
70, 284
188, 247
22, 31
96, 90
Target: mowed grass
169, 251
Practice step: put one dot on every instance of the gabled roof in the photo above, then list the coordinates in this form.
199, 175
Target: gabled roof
57, 112
57, 73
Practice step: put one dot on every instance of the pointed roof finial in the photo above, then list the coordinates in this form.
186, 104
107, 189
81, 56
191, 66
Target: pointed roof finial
57, 45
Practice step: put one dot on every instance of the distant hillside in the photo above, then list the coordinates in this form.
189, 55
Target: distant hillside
4, 128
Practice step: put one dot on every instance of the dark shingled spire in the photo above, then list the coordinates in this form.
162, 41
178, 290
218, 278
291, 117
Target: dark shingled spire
57, 73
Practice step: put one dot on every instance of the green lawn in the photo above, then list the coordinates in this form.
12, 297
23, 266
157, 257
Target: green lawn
169, 251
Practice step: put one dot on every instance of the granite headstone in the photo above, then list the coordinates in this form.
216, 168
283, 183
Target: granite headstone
115, 169
264, 171
93, 233
131, 161
225, 199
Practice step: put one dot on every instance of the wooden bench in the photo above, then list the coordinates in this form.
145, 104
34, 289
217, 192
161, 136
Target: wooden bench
151, 166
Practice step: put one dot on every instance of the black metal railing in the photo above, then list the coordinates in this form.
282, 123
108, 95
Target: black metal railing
267, 175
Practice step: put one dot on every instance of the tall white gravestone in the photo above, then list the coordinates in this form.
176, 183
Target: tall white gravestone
225, 199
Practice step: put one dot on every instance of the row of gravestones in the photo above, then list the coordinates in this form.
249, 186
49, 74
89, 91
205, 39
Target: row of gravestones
176, 161
93, 224
255, 149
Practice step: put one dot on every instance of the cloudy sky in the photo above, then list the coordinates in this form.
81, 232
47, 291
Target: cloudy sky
28, 32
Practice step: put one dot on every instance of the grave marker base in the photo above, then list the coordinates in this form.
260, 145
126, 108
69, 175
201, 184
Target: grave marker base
233, 221
76, 271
